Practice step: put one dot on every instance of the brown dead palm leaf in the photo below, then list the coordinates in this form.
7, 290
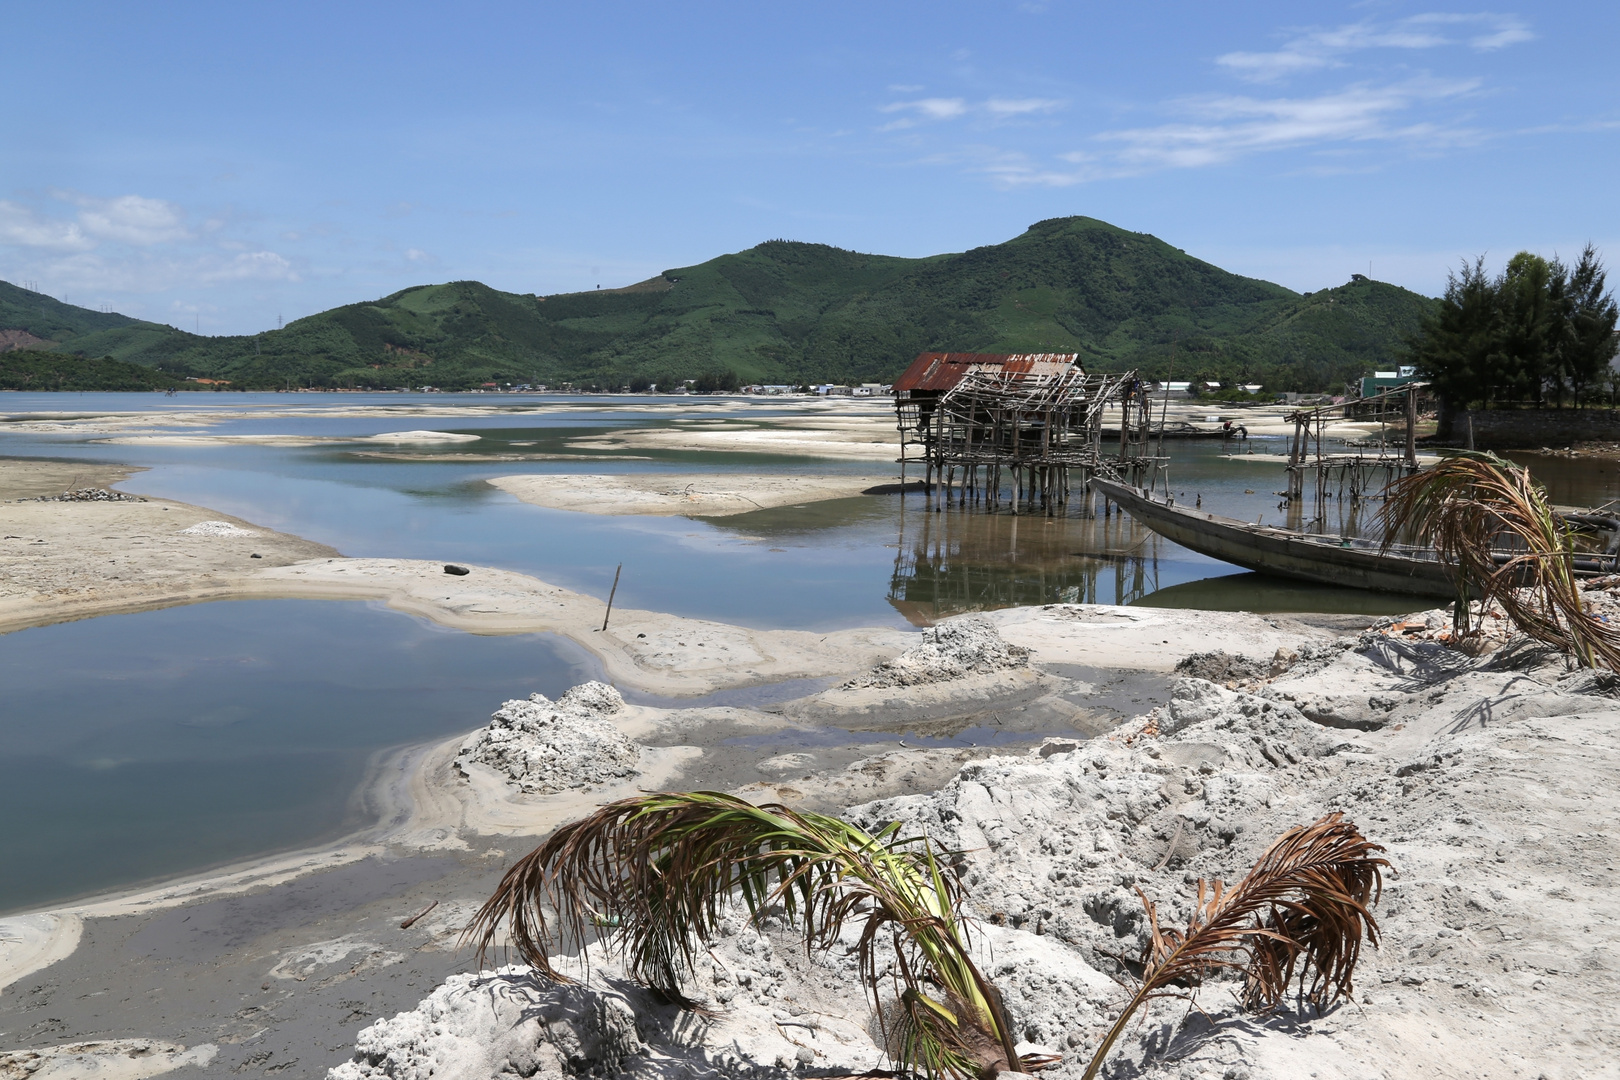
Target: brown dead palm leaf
1492, 524
654, 874
1304, 907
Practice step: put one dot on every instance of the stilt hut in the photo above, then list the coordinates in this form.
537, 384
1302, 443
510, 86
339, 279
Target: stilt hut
1019, 428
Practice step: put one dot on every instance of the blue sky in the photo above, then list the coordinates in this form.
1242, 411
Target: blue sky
217, 165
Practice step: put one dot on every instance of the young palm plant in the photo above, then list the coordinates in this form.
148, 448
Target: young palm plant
1492, 524
1306, 905
654, 873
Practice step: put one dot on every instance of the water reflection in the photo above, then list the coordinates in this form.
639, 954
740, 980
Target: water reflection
1270, 595
955, 561
137, 746
1584, 482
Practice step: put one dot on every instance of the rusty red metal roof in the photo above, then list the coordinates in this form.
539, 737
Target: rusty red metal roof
942, 371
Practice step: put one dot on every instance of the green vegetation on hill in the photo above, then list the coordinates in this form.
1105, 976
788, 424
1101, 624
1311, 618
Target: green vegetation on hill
35, 369
84, 332
787, 312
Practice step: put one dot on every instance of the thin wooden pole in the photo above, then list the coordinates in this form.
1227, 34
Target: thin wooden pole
611, 593
1411, 429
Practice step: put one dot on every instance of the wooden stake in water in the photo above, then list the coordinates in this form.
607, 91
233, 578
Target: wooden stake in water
611, 591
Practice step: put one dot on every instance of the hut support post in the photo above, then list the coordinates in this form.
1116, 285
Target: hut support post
1411, 430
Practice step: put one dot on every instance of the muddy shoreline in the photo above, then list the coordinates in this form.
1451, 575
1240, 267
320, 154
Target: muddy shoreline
1490, 779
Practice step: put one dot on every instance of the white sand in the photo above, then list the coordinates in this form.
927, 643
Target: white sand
1143, 638
30, 943
65, 560
422, 436
691, 494
863, 431
107, 1059
267, 439
1492, 786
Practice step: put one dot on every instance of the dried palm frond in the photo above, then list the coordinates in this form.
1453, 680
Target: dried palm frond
1491, 523
1305, 905
653, 875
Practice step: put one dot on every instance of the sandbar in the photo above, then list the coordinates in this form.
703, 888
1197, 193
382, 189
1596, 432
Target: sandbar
272, 439
689, 494
65, 560
862, 432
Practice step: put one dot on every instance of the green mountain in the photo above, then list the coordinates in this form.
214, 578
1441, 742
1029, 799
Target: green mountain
48, 345
790, 312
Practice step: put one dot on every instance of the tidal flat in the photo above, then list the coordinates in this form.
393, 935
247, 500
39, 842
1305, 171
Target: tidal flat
234, 778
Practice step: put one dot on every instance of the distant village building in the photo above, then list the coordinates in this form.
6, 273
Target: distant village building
1380, 381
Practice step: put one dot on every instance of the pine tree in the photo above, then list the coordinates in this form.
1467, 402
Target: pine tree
1538, 326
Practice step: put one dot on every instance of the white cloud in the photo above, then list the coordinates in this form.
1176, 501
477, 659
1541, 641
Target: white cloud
1221, 129
1237, 125
1010, 169
1020, 106
996, 109
1323, 48
131, 219
140, 273
930, 108
1490, 31
248, 266
21, 226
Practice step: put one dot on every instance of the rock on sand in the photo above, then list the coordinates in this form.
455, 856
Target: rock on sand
952, 650
542, 746
217, 528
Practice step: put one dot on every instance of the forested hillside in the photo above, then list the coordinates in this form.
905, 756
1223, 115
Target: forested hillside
790, 312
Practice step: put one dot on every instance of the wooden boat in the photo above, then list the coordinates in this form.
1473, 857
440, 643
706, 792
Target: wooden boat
1330, 560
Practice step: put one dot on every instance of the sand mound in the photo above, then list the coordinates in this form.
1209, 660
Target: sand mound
1489, 781
217, 528
770, 1011
507, 1023
951, 650
541, 746
422, 437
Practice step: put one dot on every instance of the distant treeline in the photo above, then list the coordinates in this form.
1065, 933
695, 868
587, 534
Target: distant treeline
33, 369
1539, 331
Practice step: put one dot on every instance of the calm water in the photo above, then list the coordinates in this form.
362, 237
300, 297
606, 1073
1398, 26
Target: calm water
133, 747
864, 561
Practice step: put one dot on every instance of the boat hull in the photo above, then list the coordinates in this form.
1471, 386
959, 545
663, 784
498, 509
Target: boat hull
1281, 552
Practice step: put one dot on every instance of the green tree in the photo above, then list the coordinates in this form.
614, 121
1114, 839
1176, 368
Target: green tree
1586, 340
1528, 308
1535, 328
1453, 349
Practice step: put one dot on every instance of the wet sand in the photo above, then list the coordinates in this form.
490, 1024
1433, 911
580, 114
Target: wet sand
272, 964
687, 494
67, 560
269, 967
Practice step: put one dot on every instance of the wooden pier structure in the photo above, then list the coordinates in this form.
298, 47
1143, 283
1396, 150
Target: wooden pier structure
1020, 431
1364, 468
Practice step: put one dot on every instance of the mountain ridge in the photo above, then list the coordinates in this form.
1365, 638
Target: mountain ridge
788, 311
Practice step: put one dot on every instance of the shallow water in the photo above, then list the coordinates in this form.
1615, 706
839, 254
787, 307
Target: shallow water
878, 560
1582, 482
133, 747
